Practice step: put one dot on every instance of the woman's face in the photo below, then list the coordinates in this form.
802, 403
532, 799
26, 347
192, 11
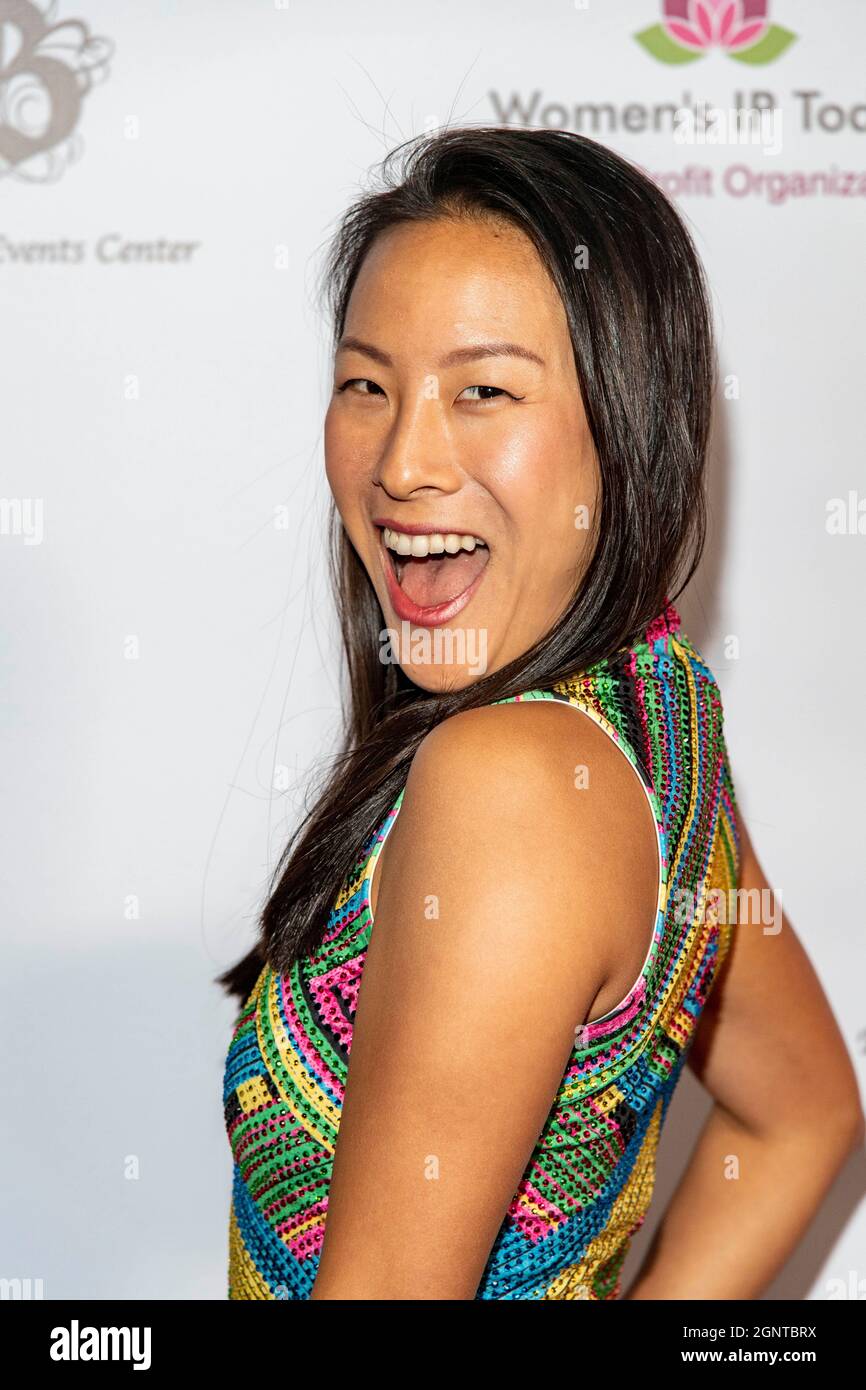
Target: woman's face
456, 418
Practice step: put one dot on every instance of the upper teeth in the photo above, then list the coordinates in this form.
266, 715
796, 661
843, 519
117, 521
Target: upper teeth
439, 542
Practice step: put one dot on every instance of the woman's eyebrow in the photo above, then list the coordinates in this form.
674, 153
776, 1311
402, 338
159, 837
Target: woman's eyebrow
471, 354
451, 359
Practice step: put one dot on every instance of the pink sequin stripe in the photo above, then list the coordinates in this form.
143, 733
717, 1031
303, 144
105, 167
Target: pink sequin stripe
301, 1041
535, 1226
591, 1031
667, 622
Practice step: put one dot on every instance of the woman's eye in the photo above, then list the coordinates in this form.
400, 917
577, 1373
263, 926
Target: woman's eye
482, 399
363, 380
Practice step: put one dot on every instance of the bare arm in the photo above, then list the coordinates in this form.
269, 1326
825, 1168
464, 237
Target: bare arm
787, 1114
498, 919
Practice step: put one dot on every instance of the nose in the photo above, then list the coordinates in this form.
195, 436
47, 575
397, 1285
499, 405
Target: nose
418, 453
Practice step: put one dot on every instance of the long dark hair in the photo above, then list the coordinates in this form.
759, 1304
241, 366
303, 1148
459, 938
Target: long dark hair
639, 317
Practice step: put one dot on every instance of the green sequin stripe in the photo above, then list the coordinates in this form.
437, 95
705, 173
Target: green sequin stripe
306, 1102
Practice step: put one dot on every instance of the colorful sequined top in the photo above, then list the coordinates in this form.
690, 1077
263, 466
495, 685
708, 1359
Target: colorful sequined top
588, 1184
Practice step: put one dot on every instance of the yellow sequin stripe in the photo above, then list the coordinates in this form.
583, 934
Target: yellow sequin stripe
245, 1281
304, 1085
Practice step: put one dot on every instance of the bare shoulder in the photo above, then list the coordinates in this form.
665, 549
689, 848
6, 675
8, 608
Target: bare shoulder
535, 763
535, 829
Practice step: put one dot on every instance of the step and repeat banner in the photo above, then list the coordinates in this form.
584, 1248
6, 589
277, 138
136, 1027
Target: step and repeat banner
170, 174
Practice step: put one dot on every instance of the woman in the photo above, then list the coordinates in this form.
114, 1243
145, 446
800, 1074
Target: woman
515, 444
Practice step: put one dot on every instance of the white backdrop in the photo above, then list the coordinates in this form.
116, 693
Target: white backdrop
169, 657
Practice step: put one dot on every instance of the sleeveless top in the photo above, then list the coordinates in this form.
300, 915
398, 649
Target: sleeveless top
587, 1186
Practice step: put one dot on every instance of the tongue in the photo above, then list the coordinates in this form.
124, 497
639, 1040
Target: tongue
435, 579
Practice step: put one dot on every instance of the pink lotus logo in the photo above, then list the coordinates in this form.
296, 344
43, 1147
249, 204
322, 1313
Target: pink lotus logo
741, 28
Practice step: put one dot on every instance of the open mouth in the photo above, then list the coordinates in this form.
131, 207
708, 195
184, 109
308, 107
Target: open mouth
438, 577
432, 575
